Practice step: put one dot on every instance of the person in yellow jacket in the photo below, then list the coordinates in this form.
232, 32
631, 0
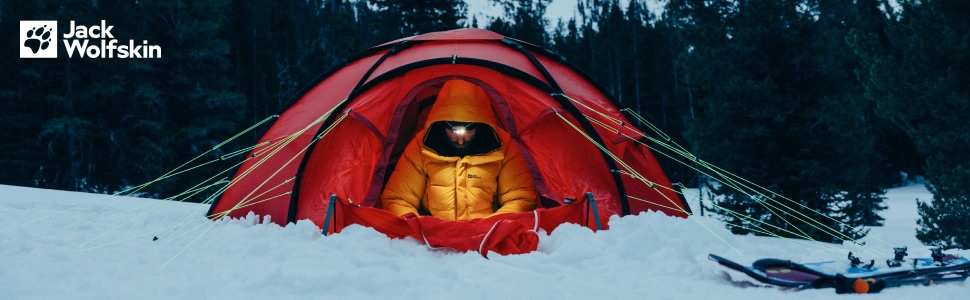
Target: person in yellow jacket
462, 165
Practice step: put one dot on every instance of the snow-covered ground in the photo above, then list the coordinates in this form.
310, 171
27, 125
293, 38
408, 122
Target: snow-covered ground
63, 245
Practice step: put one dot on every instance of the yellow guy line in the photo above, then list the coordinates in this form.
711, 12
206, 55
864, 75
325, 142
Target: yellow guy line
602, 148
614, 157
298, 154
682, 151
739, 186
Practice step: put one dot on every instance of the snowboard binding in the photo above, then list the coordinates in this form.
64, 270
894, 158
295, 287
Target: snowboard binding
900, 254
937, 255
856, 262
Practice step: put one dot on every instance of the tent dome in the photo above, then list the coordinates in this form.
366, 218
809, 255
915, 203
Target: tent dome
344, 134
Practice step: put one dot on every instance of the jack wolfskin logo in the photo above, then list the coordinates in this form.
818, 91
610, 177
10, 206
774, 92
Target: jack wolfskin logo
38, 39
474, 176
97, 41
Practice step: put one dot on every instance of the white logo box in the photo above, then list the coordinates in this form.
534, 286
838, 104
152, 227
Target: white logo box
39, 36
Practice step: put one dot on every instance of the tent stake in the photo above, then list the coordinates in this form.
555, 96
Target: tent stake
596, 215
330, 208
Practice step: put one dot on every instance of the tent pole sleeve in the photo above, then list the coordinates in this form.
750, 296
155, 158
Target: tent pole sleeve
394, 50
330, 211
596, 214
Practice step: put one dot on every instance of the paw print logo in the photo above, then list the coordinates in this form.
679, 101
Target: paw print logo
38, 39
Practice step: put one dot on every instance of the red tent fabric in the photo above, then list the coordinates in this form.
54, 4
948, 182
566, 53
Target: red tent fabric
511, 233
343, 137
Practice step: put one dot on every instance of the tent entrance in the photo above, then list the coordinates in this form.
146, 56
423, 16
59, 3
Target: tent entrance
409, 120
411, 117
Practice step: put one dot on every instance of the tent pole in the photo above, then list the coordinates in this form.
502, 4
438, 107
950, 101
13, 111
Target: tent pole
330, 211
596, 214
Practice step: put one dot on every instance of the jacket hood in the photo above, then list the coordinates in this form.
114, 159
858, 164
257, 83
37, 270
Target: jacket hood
462, 101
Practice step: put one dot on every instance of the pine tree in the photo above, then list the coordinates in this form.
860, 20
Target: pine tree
101, 125
867, 36
413, 17
187, 101
20, 114
657, 82
523, 20
776, 108
921, 81
78, 98
277, 47
630, 53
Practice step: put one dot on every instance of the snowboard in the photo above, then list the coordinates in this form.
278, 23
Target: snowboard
854, 275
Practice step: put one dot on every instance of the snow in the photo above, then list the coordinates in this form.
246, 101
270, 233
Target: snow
56, 244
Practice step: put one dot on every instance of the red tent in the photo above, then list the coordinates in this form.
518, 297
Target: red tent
344, 135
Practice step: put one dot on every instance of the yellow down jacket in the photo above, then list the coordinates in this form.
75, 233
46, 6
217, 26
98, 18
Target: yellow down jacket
491, 181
